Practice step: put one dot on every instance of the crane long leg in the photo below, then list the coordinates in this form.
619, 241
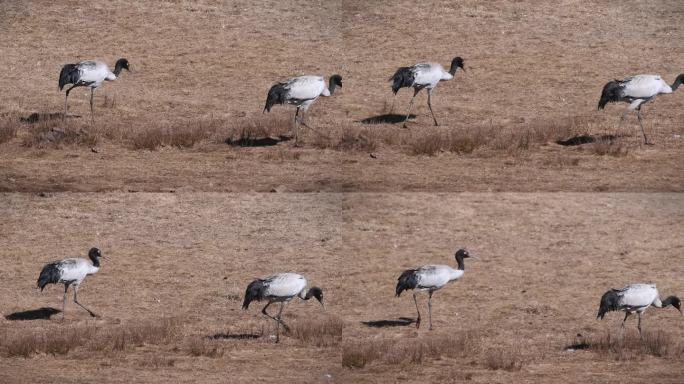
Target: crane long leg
274, 318
81, 305
622, 328
430, 309
92, 94
415, 92
66, 98
417, 310
296, 127
639, 325
64, 300
430, 105
280, 321
642, 127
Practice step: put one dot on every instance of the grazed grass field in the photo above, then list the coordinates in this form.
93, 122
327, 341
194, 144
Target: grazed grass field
187, 219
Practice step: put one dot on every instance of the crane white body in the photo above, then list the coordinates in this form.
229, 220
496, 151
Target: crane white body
93, 73
302, 91
428, 75
284, 287
74, 270
638, 297
434, 277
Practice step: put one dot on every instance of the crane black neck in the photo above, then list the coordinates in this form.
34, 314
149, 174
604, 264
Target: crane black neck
117, 69
678, 81
452, 70
331, 86
460, 262
95, 260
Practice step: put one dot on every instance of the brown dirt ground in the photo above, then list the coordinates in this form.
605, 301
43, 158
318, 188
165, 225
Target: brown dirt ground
561, 224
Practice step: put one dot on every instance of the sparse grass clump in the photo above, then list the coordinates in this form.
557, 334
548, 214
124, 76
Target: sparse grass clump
201, 346
56, 133
415, 351
323, 332
8, 130
631, 346
184, 135
349, 138
608, 147
503, 359
244, 130
60, 340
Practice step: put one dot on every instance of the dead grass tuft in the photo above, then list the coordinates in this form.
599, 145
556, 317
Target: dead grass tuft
201, 346
8, 129
608, 147
415, 351
325, 332
631, 346
503, 359
349, 138
60, 340
184, 135
55, 133
259, 127
155, 361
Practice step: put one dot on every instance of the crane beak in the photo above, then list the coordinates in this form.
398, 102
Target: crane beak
323, 305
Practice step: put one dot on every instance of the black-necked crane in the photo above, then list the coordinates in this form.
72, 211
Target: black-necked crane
90, 74
301, 92
70, 272
430, 278
634, 298
280, 288
637, 91
423, 75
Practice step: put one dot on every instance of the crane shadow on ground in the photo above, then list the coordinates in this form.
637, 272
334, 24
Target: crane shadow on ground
33, 314
234, 336
257, 141
36, 117
586, 139
400, 322
388, 118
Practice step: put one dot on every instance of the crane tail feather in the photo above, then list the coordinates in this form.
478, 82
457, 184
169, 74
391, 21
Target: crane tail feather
255, 291
403, 77
68, 75
276, 95
611, 93
609, 302
407, 280
49, 275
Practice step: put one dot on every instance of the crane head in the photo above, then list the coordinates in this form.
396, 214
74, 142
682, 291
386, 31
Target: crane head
318, 294
337, 80
457, 62
122, 63
462, 254
94, 253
